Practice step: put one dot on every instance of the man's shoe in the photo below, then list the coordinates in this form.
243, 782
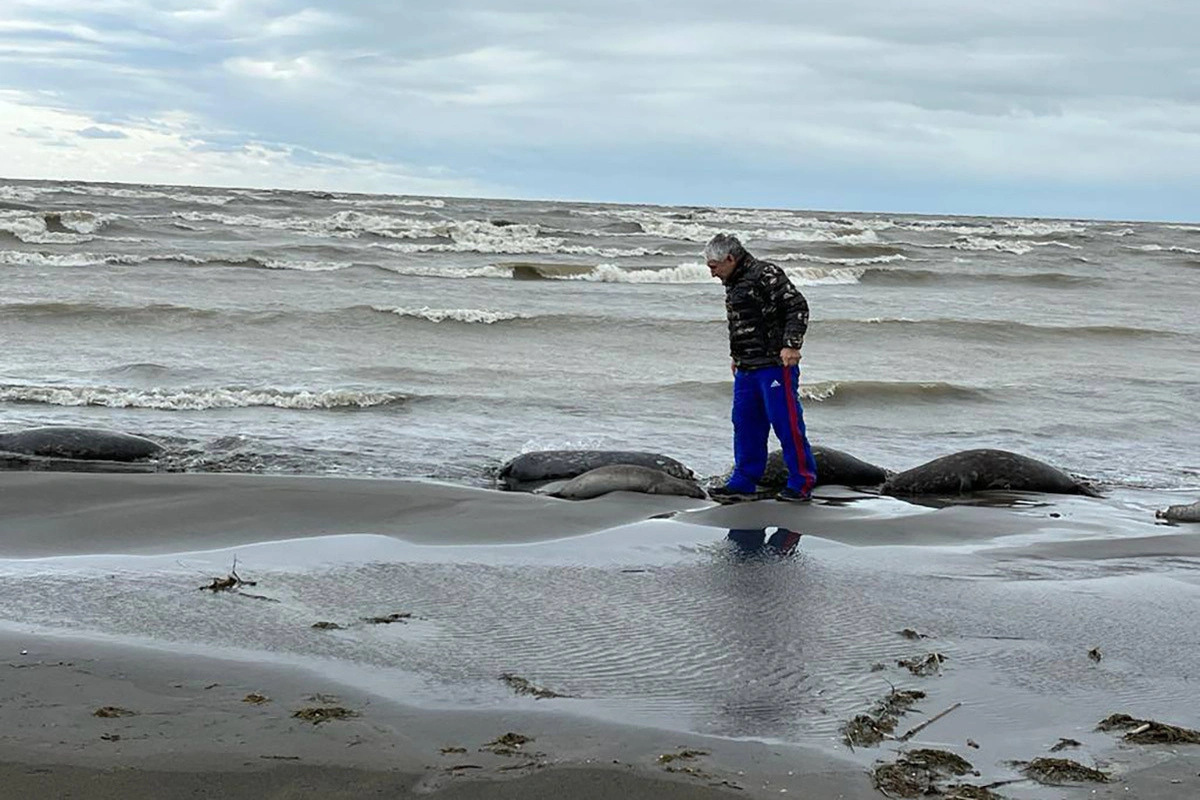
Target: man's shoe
724, 494
788, 495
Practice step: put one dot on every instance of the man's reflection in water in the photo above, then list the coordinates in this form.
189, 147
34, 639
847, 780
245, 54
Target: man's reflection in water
752, 542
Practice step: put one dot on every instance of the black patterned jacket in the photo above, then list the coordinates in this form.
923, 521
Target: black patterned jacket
766, 313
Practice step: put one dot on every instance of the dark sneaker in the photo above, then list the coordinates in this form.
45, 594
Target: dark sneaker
723, 494
792, 496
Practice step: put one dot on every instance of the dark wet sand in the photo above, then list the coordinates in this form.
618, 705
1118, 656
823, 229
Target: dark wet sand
193, 736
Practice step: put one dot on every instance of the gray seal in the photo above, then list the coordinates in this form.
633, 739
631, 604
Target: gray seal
627, 478
530, 471
982, 471
1185, 513
834, 468
85, 444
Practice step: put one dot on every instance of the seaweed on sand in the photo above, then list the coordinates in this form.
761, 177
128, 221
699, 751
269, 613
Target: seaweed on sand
682, 755
1058, 771
928, 665
1146, 731
112, 712
872, 728
509, 744
917, 772
522, 686
318, 714
388, 619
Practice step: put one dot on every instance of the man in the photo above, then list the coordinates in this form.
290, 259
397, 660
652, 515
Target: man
768, 318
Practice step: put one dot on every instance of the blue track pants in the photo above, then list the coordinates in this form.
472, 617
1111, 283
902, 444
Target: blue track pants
764, 399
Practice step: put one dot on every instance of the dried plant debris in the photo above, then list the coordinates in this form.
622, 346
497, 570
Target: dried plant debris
867, 730
682, 755
1063, 744
1059, 771
928, 665
509, 744
965, 791
1146, 731
318, 714
462, 767
254, 698
910, 634
111, 737
453, 751
327, 626
229, 582
917, 772
112, 712
522, 686
403, 616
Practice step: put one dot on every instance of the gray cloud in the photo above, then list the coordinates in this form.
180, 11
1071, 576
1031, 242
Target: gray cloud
92, 132
1087, 93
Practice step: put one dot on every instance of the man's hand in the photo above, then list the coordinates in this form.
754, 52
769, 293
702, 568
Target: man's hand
790, 356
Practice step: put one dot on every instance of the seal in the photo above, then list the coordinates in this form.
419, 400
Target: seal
530, 471
85, 444
981, 471
1185, 513
834, 468
627, 478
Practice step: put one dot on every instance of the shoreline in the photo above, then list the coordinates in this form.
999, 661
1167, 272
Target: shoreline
868, 566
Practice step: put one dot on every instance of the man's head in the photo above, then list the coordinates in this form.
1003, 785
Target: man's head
723, 252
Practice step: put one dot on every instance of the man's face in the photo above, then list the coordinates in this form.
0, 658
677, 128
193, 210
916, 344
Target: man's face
722, 269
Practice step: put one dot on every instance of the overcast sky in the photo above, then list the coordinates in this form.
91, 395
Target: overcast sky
1087, 108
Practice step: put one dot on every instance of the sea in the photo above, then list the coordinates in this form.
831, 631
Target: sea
376, 335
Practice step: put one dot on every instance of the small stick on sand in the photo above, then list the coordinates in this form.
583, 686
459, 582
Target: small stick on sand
927, 723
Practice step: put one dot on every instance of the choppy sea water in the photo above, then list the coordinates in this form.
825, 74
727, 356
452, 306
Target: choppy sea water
379, 335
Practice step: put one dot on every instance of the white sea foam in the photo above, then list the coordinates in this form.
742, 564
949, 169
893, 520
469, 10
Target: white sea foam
454, 273
471, 315
24, 259
196, 399
1158, 248
843, 262
699, 273
34, 227
980, 244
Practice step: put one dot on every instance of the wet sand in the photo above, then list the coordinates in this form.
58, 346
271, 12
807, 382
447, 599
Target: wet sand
1014, 597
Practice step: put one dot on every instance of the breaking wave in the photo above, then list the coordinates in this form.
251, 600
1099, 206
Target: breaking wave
198, 399
468, 315
981, 244
902, 277
847, 392
1158, 248
52, 227
610, 273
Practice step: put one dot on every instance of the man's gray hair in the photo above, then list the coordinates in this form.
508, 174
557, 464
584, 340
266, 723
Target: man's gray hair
723, 245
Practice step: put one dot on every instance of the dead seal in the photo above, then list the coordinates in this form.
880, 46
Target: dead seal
834, 468
1182, 513
981, 471
627, 478
530, 471
81, 444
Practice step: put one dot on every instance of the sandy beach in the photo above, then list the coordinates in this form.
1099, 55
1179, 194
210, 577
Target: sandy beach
662, 639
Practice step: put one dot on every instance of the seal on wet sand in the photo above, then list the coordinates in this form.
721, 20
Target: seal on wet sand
1182, 513
84, 444
627, 478
983, 470
529, 471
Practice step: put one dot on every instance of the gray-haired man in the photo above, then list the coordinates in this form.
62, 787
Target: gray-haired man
768, 317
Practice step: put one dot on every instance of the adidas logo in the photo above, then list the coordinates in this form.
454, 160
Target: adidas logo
775, 384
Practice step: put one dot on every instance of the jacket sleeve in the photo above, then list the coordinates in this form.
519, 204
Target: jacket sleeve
789, 304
